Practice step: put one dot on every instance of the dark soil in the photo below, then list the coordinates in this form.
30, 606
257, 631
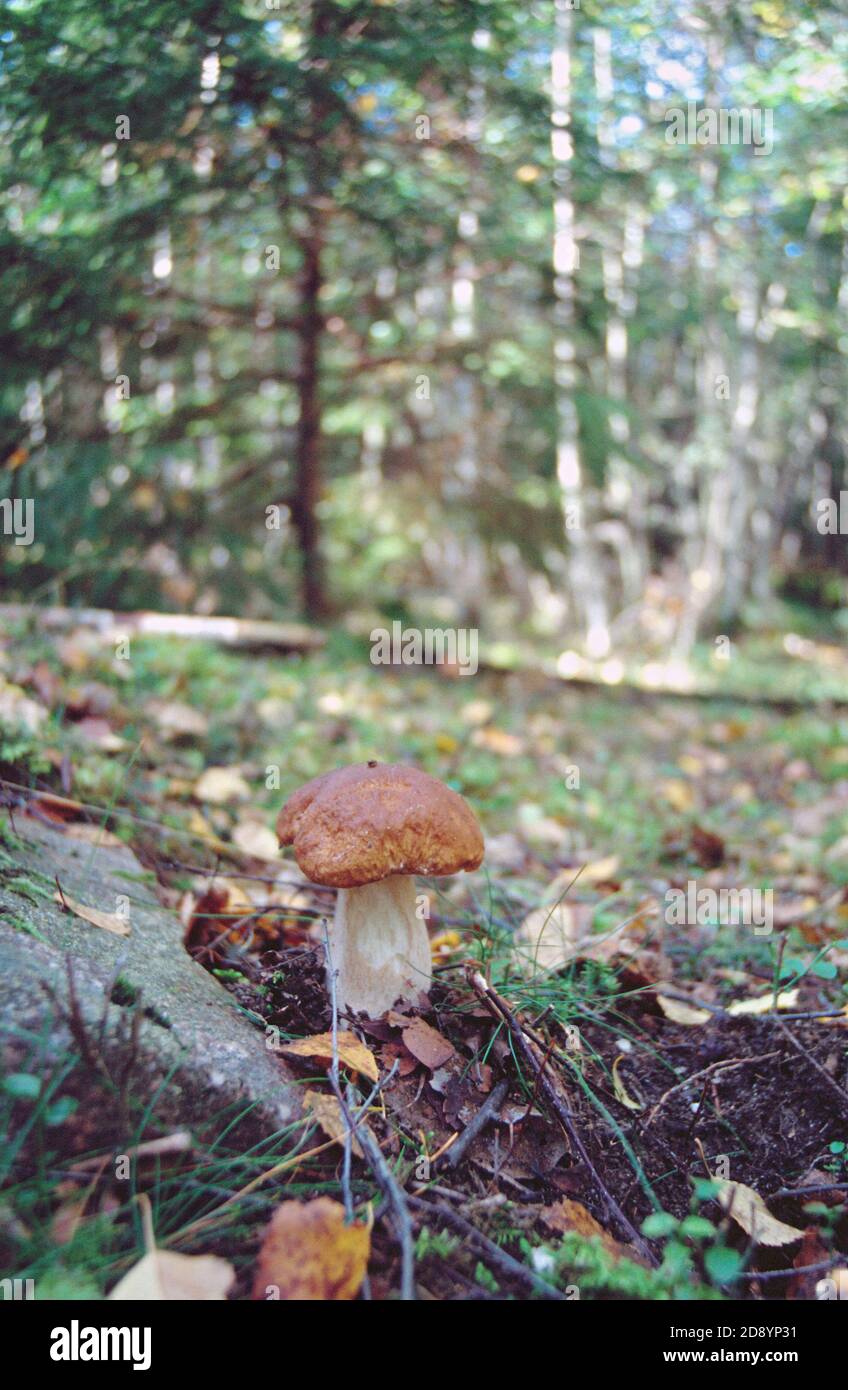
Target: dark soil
769, 1116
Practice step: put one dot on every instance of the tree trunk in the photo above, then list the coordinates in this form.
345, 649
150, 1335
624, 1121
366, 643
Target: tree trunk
308, 451
316, 208
587, 597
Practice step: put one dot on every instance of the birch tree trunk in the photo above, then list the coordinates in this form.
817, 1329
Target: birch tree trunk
704, 545
625, 487
585, 576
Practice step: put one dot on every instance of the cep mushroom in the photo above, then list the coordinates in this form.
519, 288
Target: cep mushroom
366, 830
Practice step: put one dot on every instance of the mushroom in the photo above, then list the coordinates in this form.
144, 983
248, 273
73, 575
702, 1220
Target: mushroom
366, 830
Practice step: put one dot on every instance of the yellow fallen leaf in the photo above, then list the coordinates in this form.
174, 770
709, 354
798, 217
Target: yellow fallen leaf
352, 1053
199, 825
446, 743
620, 1089
309, 1254
678, 794
163, 1275
443, 944
327, 1112
747, 1208
107, 921
687, 1014
787, 999
596, 871
220, 785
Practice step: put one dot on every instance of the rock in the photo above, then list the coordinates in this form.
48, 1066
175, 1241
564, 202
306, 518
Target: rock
190, 1025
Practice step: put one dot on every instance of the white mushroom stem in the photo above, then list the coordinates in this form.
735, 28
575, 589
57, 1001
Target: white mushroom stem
380, 948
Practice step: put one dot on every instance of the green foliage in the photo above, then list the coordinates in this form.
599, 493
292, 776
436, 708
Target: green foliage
586, 1265
151, 401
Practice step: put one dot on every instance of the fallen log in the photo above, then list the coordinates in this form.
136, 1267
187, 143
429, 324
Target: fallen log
230, 632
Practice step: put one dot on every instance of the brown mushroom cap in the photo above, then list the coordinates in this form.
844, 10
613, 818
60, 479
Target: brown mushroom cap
364, 823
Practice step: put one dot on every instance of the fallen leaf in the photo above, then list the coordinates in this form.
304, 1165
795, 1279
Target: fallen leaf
352, 1053
220, 785
787, 999
395, 1055
17, 710
443, 944
257, 840
93, 699
176, 720
498, 741
747, 1208
58, 809
427, 1045
596, 871
107, 921
327, 1112
551, 937
678, 794
309, 1254
620, 1089
162, 1275
99, 733
687, 1014
567, 1216
547, 938
706, 847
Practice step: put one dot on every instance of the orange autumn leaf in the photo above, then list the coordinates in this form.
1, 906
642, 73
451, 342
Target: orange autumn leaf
352, 1053
309, 1254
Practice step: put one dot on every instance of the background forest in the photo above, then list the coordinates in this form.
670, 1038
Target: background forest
422, 308
525, 321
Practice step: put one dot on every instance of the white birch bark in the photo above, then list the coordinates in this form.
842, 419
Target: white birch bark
585, 576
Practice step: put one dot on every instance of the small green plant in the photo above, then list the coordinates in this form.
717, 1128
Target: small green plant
693, 1241
486, 1279
438, 1243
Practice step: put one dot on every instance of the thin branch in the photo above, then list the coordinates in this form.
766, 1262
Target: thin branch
506, 1265
726, 1065
456, 1152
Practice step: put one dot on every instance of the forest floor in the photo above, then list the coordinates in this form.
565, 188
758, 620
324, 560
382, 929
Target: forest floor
669, 1113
